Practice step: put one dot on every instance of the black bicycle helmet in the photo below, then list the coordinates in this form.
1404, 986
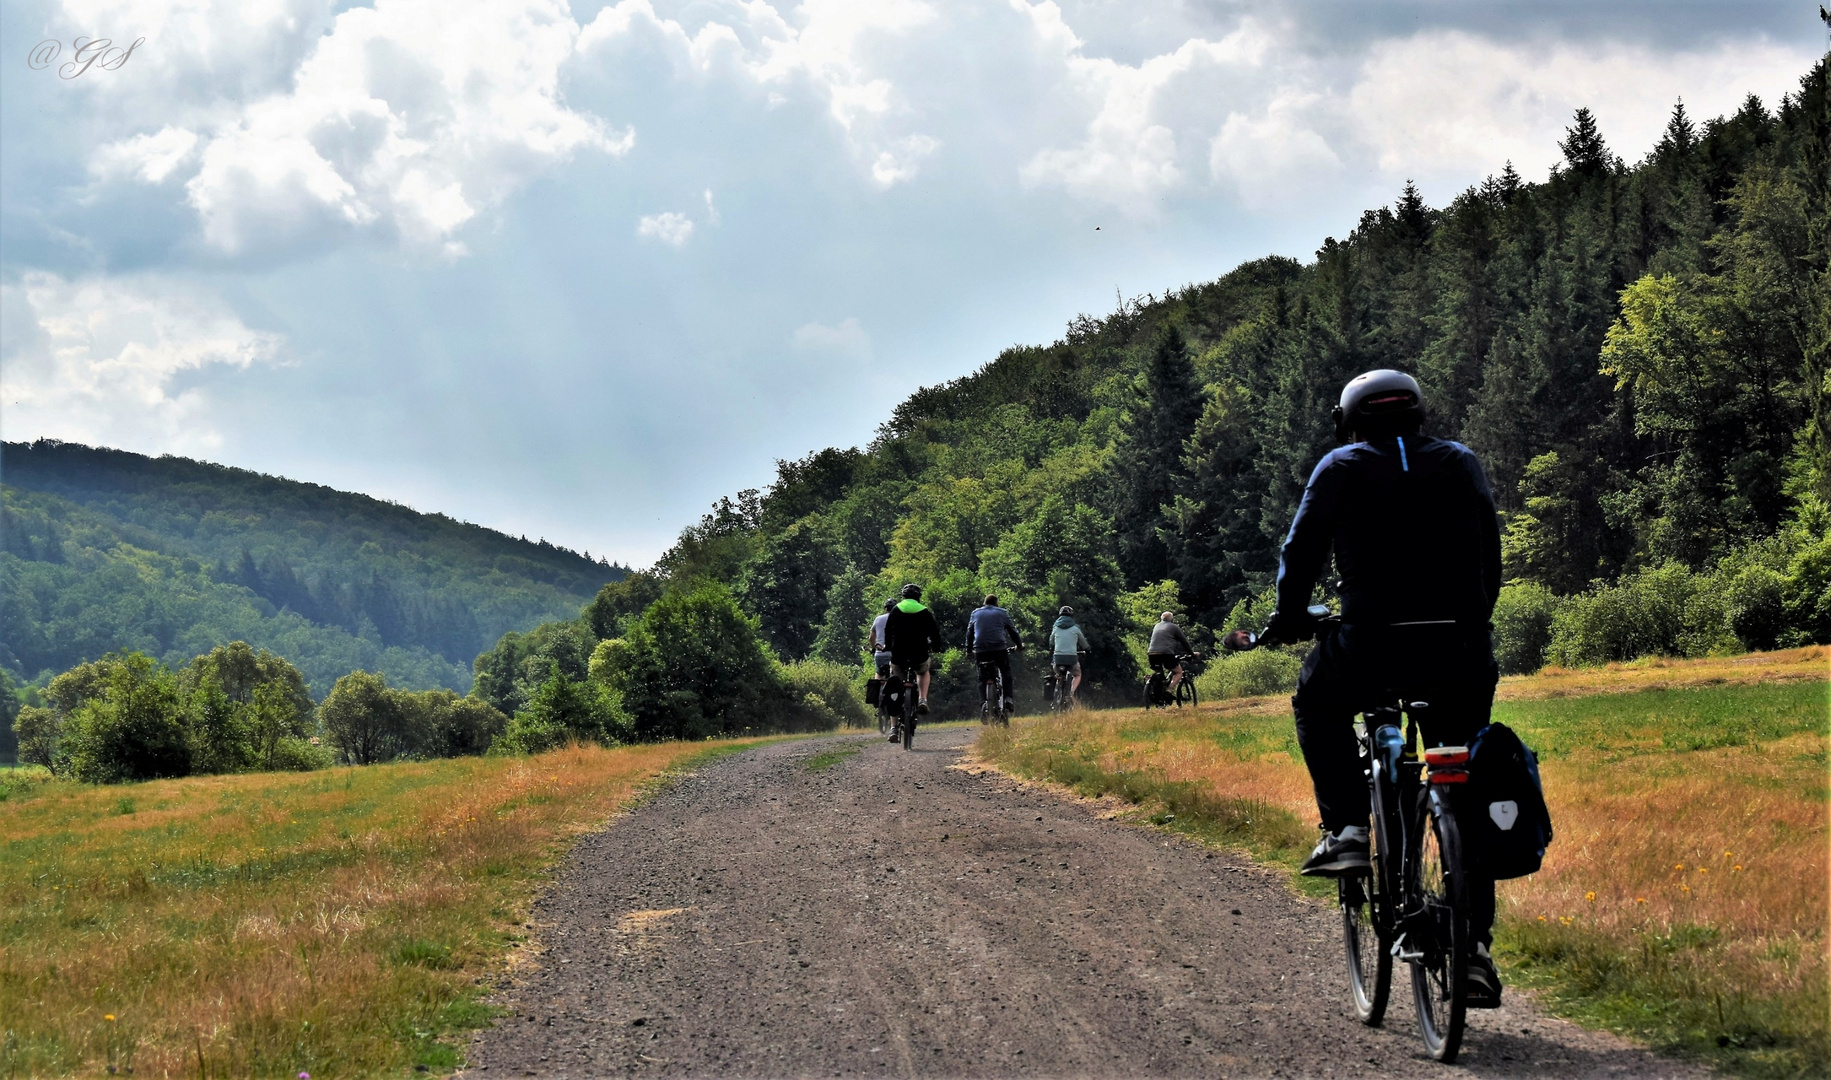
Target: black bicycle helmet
1379, 402
1066, 611
890, 604
912, 592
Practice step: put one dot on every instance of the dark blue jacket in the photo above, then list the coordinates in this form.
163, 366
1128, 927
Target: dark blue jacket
1414, 530
989, 629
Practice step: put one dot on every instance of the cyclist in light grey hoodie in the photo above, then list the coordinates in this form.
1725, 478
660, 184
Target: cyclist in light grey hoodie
1068, 642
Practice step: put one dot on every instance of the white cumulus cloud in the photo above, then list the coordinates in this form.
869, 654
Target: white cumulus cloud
847, 340
104, 360
829, 47
407, 118
670, 228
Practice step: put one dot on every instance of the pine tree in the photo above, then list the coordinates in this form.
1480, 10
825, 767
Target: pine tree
1148, 464
1584, 151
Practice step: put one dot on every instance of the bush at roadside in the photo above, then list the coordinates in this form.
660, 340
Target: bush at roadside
1251, 674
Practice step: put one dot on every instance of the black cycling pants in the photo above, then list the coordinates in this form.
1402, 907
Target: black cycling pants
1001, 658
1349, 670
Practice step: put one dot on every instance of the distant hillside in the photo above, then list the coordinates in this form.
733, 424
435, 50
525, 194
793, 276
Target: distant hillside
103, 549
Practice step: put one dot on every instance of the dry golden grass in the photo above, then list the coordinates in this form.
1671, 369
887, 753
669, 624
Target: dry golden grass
335, 923
1686, 896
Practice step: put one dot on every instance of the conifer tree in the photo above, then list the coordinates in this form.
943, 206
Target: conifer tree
1148, 464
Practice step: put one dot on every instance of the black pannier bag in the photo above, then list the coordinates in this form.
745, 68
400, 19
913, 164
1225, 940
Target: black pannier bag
1506, 826
873, 689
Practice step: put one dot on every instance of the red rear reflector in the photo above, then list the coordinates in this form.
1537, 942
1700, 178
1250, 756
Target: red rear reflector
1446, 755
1449, 776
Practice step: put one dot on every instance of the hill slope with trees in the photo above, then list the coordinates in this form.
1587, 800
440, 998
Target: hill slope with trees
106, 550
1638, 353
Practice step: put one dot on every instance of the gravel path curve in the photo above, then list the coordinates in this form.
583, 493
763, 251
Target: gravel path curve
887, 915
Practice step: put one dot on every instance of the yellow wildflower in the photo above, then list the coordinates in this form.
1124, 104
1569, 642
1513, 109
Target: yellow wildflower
1640, 899
1590, 896
108, 1017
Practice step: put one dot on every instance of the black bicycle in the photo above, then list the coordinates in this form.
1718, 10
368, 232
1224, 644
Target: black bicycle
1157, 692
886, 720
900, 693
992, 694
1413, 904
1060, 688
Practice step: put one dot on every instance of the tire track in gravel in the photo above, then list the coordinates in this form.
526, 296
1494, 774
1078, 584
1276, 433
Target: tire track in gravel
891, 916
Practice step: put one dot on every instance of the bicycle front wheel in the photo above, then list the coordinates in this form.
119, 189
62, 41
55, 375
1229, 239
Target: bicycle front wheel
1185, 692
1369, 960
1439, 981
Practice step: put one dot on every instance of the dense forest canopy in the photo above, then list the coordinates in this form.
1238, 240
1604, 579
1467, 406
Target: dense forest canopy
106, 550
1638, 352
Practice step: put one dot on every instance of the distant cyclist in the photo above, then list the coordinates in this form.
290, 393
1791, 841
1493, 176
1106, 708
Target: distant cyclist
1168, 642
874, 641
1417, 544
913, 635
1067, 642
990, 637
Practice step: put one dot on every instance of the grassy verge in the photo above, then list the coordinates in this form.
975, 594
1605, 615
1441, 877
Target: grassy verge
1685, 899
340, 923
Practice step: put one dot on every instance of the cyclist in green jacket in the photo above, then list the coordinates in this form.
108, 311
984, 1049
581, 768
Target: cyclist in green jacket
913, 635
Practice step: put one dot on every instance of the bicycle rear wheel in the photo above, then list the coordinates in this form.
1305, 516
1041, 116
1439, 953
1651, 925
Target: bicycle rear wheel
909, 719
1439, 981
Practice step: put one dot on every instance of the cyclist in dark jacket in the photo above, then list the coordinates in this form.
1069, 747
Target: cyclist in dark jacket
990, 637
1417, 546
913, 636
1168, 642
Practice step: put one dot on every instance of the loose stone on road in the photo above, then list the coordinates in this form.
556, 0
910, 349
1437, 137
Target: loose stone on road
889, 915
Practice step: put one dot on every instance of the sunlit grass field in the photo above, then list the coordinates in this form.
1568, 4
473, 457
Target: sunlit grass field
1684, 901
338, 923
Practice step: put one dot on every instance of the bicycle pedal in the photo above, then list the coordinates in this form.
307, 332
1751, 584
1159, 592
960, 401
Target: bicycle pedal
1483, 1001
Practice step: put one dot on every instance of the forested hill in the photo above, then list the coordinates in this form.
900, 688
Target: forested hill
1636, 349
107, 550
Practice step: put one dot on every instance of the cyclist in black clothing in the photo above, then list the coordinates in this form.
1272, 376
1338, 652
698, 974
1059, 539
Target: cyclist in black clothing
990, 637
1417, 545
913, 635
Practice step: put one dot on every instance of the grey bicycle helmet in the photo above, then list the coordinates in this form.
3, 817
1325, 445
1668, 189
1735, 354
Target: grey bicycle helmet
1379, 402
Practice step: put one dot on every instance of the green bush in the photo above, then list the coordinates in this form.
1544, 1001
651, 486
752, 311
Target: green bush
694, 666
40, 734
1660, 611
832, 686
1522, 626
299, 755
364, 721
564, 710
1251, 674
134, 730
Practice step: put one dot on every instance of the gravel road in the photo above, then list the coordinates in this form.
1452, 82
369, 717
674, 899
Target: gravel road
890, 915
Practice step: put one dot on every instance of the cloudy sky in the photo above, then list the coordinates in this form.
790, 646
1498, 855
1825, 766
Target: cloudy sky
576, 271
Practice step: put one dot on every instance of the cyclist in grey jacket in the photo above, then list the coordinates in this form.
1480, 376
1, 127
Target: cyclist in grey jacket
1067, 641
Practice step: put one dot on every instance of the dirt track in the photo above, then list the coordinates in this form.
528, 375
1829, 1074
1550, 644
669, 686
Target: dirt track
888, 915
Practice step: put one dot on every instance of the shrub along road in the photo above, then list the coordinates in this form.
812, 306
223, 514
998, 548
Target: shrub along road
803, 909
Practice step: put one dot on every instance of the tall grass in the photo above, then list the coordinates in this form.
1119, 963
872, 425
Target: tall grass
1685, 899
337, 923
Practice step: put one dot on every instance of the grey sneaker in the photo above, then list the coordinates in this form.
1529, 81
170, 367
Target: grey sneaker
1339, 855
1484, 981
